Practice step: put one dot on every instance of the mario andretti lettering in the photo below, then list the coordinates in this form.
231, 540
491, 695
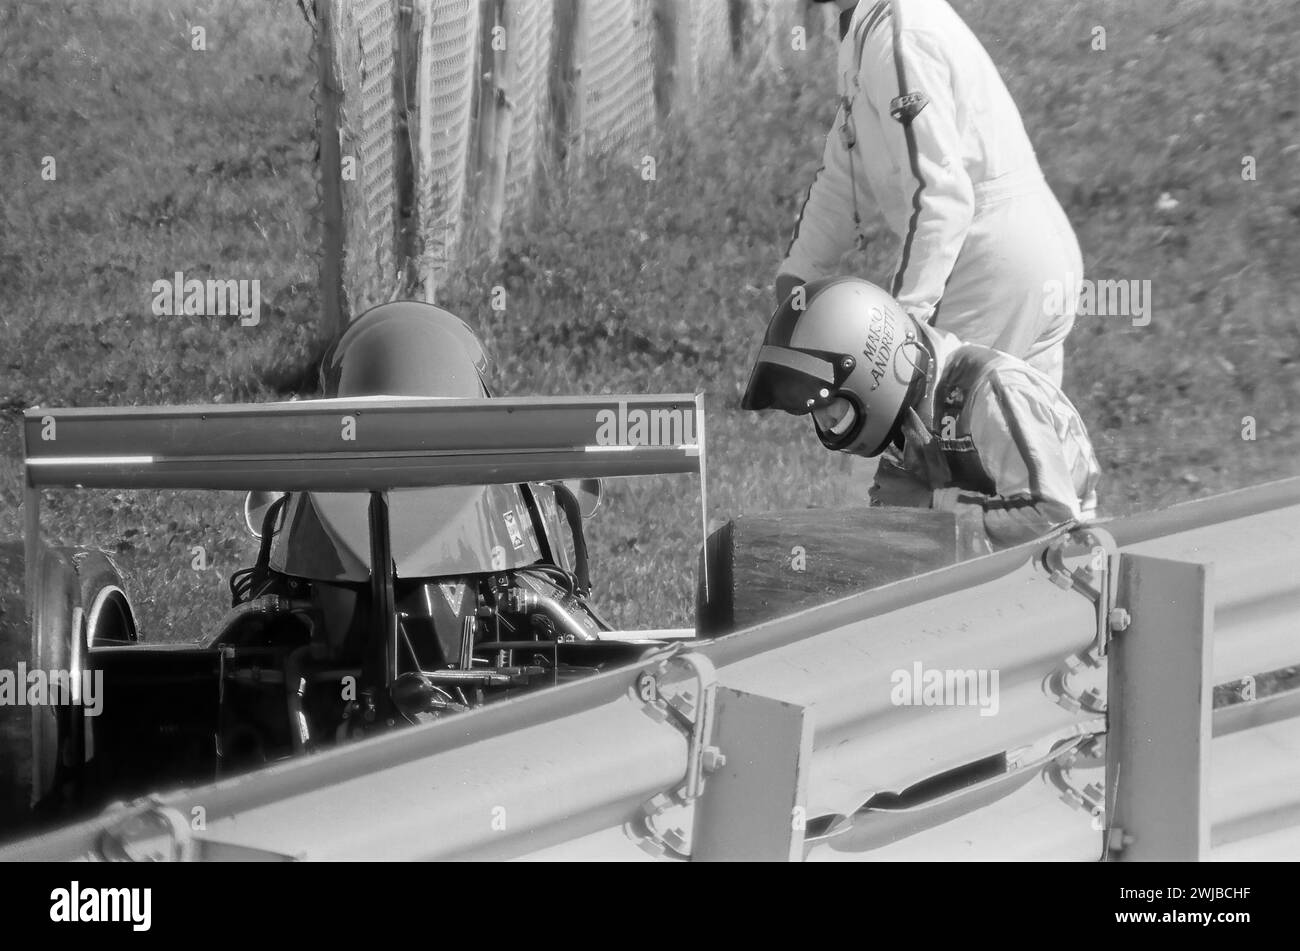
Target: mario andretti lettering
880, 339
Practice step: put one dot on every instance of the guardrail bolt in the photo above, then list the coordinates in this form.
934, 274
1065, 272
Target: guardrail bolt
1119, 619
683, 705
1062, 579
712, 759
658, 804
676, 840
1117, 839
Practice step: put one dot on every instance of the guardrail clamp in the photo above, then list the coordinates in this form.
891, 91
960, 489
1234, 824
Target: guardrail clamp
150, 832
1094, 579
680, 691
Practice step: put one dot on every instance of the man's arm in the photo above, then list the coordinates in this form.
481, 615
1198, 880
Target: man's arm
1016, 435
928, 154
823, 231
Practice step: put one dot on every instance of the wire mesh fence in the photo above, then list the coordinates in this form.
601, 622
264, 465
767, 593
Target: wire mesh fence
443, 105
435, 116
533, 53
711, 41
615, 76
374, 25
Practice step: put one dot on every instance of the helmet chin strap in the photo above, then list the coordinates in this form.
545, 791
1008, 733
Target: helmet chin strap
919, 339
923, 366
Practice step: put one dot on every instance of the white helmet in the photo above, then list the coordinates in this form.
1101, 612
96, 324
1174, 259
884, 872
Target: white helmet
842, 338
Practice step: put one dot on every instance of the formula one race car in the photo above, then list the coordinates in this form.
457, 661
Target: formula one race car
421, 553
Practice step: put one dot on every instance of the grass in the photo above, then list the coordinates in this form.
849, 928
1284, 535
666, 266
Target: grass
171, 159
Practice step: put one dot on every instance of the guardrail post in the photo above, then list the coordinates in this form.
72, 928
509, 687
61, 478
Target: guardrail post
753, 805
1159, 705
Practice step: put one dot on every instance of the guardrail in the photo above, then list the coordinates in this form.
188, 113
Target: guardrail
791, 738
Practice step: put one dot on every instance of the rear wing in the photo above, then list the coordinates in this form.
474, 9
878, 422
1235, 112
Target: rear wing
355, 444
366, 444
363, 444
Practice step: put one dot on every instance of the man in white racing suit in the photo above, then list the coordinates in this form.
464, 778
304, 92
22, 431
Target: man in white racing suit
927, 127
987, 435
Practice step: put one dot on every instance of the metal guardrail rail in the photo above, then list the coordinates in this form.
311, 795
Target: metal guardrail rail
785, 732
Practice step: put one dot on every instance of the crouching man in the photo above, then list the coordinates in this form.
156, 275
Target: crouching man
996, 440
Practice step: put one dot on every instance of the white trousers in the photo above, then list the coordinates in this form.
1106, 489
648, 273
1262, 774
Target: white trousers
1006, 289
999, 295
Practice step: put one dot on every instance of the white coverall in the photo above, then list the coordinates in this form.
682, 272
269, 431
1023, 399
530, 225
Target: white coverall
1006, 449
959, 184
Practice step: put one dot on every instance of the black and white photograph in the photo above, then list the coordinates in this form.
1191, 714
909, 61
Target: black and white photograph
651, 431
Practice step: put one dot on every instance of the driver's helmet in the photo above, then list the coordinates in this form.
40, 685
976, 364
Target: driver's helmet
407, 349
842, 339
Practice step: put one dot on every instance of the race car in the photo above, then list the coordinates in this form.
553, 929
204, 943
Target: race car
421, 553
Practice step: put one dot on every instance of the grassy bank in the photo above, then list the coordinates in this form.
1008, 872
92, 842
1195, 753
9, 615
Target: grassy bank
170, 159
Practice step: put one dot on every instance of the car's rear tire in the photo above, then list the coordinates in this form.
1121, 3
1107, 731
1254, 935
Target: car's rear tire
15, 721
107, 621
110, 619
56, 617
79, 605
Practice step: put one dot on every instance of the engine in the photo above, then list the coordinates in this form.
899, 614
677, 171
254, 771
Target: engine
303, 672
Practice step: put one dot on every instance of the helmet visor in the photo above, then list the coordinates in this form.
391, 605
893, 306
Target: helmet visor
792, 381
